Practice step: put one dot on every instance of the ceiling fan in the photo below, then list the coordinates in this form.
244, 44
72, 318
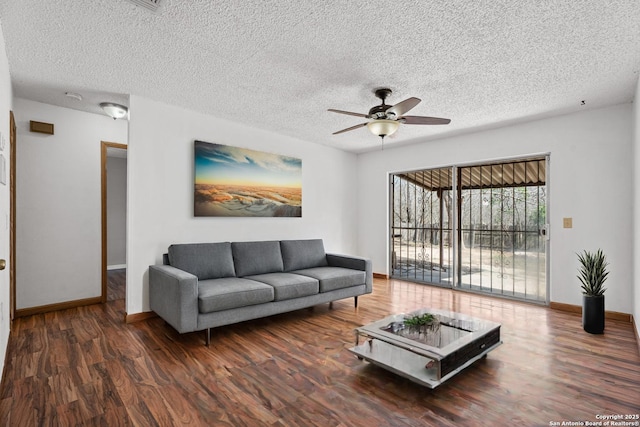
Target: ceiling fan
385, 119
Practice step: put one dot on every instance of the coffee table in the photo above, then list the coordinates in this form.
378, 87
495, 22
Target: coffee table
431, 357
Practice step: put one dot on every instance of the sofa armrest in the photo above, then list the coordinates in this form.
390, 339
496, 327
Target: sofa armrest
355, 263
173, 295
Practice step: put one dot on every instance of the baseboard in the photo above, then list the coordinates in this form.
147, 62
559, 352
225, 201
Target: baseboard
565, 307
116, 267
635, 329
23, 312
380, 276
571, 308
137, 317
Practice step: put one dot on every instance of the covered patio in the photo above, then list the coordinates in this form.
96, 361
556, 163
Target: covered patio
499, 217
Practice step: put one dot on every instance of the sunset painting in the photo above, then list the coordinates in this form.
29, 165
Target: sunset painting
233, 181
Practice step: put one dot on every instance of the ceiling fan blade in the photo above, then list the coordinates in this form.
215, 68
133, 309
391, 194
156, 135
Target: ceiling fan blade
421, 120
348, 113
351, 128
403, 107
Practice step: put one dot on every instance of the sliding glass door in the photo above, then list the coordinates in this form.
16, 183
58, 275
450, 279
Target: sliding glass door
421, 233
490, 230
502, 244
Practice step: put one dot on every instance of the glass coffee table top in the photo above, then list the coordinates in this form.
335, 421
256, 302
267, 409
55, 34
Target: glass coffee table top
430, 355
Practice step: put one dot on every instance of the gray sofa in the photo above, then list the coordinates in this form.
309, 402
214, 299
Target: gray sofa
205, 285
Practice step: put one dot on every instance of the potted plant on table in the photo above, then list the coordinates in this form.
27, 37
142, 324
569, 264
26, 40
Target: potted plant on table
592, 275
422, 323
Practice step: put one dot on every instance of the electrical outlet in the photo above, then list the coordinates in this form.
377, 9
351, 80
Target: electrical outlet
567, 222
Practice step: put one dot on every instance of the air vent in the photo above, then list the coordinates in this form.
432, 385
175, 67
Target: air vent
152, 5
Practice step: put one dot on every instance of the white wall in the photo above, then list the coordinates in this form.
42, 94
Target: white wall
6, 98
590, 181
116, 211
160, 159
58, 203
636, 207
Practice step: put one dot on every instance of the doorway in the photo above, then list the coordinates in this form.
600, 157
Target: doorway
113, 201
475, 227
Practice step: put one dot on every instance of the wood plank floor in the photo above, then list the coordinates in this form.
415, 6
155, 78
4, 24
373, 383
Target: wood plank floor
116, 280
84, 366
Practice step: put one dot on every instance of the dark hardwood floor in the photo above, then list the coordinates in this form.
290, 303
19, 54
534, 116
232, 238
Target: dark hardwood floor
84, 366
116, 280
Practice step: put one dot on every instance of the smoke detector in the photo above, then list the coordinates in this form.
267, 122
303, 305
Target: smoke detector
151, 5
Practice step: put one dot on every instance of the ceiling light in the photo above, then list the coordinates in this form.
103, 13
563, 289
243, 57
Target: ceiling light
116, 111
383, 127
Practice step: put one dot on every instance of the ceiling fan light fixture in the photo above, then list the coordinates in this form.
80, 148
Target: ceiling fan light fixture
385, 119
383, 127
116, 111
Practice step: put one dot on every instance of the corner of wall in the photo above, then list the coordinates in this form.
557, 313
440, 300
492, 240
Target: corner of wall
636, 209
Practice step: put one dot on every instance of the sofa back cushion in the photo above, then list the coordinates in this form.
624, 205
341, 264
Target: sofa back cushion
251, 258
205, 260
301, 254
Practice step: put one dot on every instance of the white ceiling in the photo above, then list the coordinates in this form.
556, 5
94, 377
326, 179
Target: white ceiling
279, 65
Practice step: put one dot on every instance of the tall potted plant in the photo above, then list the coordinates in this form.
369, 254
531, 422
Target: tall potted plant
592, 274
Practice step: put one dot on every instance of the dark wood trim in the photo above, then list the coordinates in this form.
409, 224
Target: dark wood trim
103, 212
12, 216
137, 317
565, 307
380, 276
635, 329
23, 312
577, 309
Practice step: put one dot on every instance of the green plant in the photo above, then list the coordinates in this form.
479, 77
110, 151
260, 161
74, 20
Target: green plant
593, 272
420, 319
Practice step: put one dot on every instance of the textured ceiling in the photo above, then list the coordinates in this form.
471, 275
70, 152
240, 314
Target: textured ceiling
279, 65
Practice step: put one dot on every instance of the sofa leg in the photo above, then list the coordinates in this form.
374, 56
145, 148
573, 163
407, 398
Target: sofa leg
330, 305
208, 336
355, 301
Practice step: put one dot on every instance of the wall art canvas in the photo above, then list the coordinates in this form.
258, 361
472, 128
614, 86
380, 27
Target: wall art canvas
238, 182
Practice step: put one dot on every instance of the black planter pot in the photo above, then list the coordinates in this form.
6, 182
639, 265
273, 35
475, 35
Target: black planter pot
593, 314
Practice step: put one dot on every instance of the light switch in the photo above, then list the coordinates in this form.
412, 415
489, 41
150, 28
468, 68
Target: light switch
567, 222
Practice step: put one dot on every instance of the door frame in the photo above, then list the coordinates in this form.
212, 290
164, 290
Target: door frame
12, 216
456, 223
104, 145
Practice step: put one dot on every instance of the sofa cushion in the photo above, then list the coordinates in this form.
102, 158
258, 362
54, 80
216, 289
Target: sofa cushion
204, 260
231, 292
251, 258
288, 285
300, 254
332, 278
